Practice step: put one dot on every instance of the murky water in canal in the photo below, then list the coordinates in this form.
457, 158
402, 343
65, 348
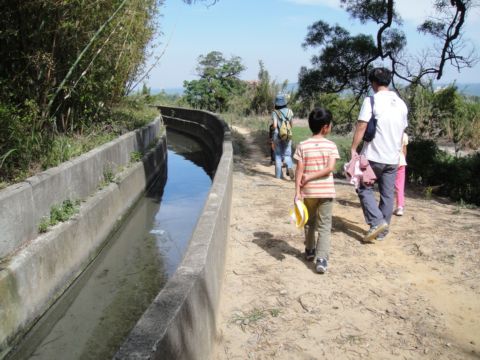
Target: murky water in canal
94, 316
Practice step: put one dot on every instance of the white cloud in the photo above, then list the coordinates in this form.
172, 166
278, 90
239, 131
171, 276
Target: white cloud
410, 10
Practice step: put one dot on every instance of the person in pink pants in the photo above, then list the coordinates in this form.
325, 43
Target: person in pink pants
400, 179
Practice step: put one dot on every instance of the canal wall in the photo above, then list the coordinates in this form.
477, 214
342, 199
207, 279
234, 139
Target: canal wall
36, 268
181, 321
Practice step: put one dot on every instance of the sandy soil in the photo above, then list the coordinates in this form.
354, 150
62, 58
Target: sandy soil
414, 295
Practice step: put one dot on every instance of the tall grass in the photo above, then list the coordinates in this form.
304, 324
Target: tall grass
25, 148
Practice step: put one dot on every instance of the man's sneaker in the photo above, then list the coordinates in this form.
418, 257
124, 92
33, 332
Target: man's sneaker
309, 254
374, 231
291, 173
398, 211
321, 266
382, 235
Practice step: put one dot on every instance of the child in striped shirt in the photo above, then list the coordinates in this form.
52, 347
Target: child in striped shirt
314, 185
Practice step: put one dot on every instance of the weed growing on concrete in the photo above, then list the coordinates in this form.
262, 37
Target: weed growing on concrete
44, 224
63, 212
135, 156
108, 175
59, 213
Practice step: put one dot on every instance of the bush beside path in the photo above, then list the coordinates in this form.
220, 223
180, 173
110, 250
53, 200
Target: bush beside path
414, 295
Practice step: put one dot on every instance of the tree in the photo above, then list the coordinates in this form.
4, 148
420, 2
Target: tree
219, 81
264, 91
345, 60
72, 57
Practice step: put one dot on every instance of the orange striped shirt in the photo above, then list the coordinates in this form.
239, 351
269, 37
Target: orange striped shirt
314, 153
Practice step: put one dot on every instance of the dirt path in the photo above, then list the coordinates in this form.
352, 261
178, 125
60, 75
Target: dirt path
415, 295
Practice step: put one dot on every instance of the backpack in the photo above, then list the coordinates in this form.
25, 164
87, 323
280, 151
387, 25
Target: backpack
371, 129
285, 129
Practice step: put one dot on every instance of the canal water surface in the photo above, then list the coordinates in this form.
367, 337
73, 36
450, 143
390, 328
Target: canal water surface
96, 313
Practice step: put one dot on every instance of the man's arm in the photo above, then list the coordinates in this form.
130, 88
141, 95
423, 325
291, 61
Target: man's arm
357, 136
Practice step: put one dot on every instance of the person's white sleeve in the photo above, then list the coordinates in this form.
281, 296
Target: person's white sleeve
366, 110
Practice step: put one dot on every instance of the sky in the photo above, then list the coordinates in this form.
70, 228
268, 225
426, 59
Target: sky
272, 31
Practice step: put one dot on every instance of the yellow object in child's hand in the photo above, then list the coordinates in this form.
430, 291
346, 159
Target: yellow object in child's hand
299, 214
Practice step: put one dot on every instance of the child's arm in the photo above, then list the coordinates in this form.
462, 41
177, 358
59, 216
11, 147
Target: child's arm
321, 173
298, 177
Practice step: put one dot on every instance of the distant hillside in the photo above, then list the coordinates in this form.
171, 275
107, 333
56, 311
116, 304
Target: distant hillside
472, 89
168, 91
469, 89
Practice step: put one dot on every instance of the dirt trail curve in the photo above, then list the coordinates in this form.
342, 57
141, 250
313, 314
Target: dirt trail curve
414, 296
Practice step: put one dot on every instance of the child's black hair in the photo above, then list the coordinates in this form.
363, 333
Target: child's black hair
381, 76
318, 118
278, 107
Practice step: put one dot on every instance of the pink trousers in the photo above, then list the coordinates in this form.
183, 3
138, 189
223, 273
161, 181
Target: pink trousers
400, 187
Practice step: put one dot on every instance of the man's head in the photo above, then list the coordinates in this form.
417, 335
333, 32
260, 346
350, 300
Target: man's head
380, 76
320, 119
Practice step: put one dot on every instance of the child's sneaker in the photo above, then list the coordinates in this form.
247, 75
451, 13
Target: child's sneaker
321, 266
398, 211
309, 254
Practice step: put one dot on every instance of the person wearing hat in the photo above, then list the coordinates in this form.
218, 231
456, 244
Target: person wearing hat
282, 149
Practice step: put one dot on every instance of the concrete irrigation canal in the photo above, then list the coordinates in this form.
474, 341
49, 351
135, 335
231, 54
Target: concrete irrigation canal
136, 273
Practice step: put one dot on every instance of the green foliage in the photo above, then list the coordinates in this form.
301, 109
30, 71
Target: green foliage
108, 174
258, 97
442, 173
44, 224
36, 56
343, 107
145, 90
420, 101
21, 139
135, 156
264, 92
165, 99
341, 63
62, 71
443, 113
132, 113
39, 151
59, 213
217, 84
63, 212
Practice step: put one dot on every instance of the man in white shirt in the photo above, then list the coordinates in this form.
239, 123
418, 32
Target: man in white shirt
382, 151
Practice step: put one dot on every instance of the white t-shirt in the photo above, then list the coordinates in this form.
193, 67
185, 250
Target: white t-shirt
391, 113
